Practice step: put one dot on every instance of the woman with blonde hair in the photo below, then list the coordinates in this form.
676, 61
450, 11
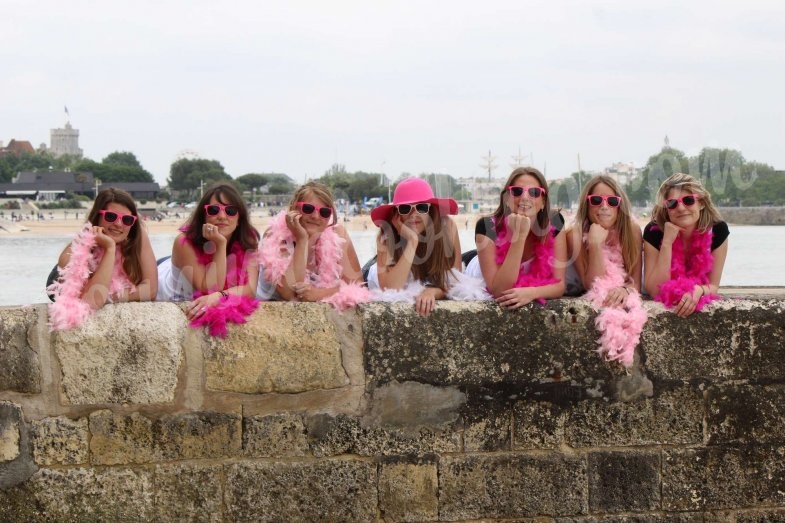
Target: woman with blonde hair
306, 255
605, 246
521, 253
684, 246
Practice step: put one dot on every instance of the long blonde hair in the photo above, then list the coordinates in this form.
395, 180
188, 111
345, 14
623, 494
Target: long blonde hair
709, 215
317, 190
624, 222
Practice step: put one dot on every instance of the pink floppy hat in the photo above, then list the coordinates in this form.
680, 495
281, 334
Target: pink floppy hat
413, 190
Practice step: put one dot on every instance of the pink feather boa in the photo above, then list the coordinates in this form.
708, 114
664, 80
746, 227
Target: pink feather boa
689, 269
620, 327
232, 308
69, 309
541, 270
275, 255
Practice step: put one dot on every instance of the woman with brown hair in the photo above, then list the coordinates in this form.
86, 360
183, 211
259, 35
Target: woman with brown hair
521, 254
213, 262
110, 260
417, 247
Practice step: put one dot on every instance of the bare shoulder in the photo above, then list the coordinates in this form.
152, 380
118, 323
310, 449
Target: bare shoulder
340, 230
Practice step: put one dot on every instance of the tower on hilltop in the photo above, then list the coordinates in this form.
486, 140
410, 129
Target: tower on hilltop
65, 141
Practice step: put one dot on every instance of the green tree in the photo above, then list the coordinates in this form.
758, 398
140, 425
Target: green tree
642, 190
187, 174
276, 183
125, 158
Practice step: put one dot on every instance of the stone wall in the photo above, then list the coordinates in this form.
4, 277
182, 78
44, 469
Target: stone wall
754, 215
476, 413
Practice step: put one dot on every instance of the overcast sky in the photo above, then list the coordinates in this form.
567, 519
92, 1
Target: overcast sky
424, 86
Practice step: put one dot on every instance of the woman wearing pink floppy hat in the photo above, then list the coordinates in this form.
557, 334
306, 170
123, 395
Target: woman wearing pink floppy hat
417, 246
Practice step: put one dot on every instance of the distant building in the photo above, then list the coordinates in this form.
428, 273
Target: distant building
16, 147
65, 142
50, 185
621, 172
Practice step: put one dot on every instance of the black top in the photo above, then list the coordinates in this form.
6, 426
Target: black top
486, 226
652, 234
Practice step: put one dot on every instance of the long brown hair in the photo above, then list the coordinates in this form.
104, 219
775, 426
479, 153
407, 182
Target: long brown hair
227, 194
624, 222
543, 216
709, 215
434, 266
131, 247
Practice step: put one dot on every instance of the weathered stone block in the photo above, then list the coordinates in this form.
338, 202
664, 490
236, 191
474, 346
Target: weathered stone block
730, 340
117, 439
60, 441
124, 353
284, 347
746, 414
332, 436
486, 426
20, 371
16, 462
627, 481
763, 516
475, 344
80, 495
538, 425
274, 436
188, 493
673, 416
512, 486
331, 490
723, 477
684, 517
10, 421
408, 491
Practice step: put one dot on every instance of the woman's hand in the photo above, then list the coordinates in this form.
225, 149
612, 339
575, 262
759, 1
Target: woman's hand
688, 302
597, 235
212, 234
670, 233
295, 226
198, 307
426, 301
307, 292
516, 297
616, 297
407, 232
519, 225
101, 239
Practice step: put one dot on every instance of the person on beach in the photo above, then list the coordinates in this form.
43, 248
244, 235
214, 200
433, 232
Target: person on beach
111, 260
213, 262
605, 246
306, 255
521, 253
417, 247
684, 247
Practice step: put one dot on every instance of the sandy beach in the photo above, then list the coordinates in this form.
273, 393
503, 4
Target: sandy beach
62, 224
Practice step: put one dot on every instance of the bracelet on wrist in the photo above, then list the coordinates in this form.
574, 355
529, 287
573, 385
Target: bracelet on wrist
223, 293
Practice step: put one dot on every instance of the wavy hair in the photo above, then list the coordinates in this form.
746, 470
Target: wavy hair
227, 194
709, 215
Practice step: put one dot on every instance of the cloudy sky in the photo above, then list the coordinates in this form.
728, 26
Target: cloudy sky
295, 86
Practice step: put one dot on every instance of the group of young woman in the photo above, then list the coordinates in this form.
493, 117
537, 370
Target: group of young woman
524, 253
